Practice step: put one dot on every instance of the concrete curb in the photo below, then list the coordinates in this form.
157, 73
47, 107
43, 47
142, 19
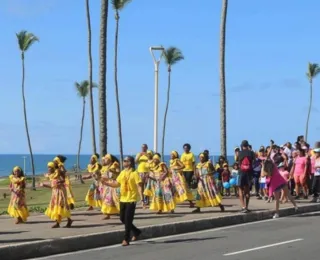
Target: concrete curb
82, 242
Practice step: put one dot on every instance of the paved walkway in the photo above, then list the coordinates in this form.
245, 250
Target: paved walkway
39, 226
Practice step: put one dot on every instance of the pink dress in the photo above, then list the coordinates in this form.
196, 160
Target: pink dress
275, 181
300, 165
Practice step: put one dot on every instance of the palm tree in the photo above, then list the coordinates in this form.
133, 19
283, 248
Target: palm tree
25, 40
223, 113
313, 71
93, 131
117, 6
83, 89
102, 77
172, 55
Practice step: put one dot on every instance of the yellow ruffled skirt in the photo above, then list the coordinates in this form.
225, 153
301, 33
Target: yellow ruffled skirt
70, 195
207, 193
161, 195
181, 192
93, 197
17, 207
110, 201
58, 208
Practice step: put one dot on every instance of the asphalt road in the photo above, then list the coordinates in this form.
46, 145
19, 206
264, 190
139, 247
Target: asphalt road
288, 238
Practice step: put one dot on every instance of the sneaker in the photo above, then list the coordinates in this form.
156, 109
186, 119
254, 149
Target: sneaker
318, 200
276, 215
314, 199
244, 210
296, 209
305, 197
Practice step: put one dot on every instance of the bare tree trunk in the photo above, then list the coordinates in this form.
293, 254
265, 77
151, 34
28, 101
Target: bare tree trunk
166, 111
117, 88
93, 131
26, 125
80, 140
223, 113
102, 78
309, 112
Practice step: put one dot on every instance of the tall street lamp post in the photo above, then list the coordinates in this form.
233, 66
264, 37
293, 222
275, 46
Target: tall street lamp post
156, 61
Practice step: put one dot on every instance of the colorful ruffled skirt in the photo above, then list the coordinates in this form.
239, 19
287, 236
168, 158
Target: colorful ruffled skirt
70, 195
161, 195
207, 193
180, 189
58, 208
110, 201
93, 197
17, 207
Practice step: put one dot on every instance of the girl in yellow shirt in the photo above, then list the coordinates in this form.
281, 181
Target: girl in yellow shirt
181, 192
59, 164
207, 192
58, 207
93, 197
161, 190
110, 196
142, 162
17, 207
130, 185
148, 181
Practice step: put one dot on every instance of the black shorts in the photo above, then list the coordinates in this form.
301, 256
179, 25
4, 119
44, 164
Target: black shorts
243, 179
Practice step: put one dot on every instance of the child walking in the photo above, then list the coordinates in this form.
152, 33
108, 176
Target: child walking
17, 207
235, 175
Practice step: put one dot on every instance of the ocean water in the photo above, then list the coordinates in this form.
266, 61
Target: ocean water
8, 161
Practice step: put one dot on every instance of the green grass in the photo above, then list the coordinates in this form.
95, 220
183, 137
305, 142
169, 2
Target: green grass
38, 200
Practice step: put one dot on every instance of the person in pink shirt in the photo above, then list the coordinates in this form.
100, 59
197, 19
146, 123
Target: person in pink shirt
299, 172
277, 184
285, 175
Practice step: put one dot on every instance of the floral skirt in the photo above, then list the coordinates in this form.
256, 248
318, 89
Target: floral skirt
110, 201
180, 189
58, 207
207, 193
93, 197
161, 195
17, 206
70, 196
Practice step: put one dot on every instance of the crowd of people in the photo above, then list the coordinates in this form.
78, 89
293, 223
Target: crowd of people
272, 173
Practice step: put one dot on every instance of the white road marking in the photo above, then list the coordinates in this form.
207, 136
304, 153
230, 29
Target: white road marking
263, 247
173, 236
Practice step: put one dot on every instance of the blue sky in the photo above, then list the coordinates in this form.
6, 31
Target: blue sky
269, 44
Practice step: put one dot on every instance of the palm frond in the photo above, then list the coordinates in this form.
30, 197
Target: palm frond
25, 40
118, 5
313, 70
82, 88
172, 55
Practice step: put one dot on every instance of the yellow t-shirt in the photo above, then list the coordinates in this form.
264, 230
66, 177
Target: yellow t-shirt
129, 180
150, 165
188, 160
143, 166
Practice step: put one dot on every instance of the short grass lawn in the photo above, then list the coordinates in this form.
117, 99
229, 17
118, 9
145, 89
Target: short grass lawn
38, 200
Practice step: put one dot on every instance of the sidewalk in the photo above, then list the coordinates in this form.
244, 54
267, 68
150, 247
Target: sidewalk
36, 238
